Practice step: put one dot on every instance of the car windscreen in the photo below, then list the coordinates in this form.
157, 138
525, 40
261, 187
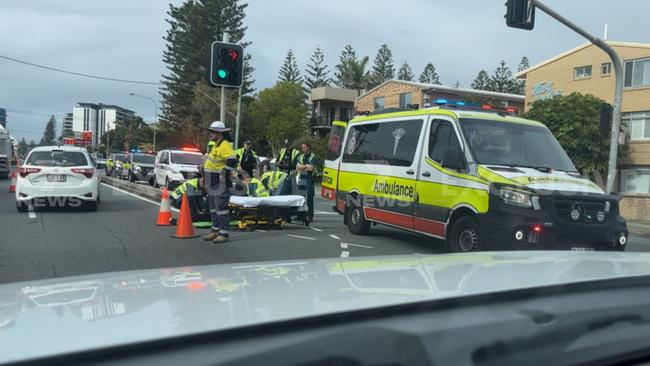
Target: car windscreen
57, 158
186, 158
514, 144
120, 157
145, 159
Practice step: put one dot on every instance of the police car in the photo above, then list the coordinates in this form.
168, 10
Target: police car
479, 179
173, 166
139, 167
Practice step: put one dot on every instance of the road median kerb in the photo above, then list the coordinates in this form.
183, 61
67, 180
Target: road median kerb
140, 189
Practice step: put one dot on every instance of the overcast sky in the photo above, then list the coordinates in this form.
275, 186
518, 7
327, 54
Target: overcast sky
123, 39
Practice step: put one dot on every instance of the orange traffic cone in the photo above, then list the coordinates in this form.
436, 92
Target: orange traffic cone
12, 187
165, 213
185, 229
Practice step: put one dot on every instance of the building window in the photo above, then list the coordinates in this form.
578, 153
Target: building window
344, 114
582, 72
606, 69
635, 180
637, 73
331, 115
638, 125
379, 103
405, 99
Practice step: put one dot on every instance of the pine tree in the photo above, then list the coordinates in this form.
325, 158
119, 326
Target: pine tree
523, 64
429, 75
502, 80
317, 73
482, 81
49, 135
289, 70
383, 68
344, 68
521, 83
32, 144
405, 72
193, 26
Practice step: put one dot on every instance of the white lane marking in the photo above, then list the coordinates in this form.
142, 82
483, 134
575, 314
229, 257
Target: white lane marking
138, 197
344, 245
345, 254
316, 229
357, 245
301, 237
325, 212
262, 230
30, 212
334, 237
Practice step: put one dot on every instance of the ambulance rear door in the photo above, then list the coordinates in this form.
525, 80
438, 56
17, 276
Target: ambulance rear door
332, 162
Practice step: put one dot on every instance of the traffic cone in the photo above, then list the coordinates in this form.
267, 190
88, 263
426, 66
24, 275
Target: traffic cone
165, 213
12, 187
185, 229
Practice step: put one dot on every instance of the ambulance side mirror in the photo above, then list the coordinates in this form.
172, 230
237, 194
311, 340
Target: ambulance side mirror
453, 159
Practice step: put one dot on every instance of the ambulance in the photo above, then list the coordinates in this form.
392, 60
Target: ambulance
476, 177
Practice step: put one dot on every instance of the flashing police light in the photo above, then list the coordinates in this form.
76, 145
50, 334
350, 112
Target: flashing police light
190, 148
442, 101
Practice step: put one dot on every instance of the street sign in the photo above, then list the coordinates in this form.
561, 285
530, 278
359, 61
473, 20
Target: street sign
520, 14
83, 138
227, 64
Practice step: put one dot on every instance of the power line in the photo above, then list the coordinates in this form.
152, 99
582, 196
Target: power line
77, 73
33, 113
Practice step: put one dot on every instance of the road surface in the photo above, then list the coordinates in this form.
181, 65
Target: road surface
121, 235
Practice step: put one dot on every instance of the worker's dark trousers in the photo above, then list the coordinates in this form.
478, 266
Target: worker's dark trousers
218, 199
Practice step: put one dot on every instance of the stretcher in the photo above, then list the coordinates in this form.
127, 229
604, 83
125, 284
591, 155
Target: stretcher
268, 212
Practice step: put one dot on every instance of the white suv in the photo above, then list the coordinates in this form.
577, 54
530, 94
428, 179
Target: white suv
175, 166
57, 176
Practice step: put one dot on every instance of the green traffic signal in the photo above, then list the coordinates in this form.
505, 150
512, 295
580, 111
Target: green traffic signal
222, 73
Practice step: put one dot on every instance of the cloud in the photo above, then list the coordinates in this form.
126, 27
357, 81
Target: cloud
123, 39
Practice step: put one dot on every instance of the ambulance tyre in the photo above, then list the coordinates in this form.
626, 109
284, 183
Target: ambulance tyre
465, 235
357, 222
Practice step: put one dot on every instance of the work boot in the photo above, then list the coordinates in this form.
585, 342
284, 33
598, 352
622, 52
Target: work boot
211, 236
220, 239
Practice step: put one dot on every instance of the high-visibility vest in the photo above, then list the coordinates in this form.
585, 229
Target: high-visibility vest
240, 154
210, 146
218, 156
257, 189
273, 180
180, 190
305, 159
283, 151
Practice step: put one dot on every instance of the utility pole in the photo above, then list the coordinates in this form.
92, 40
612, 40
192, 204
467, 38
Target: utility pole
237, 120
521, 14
222, 113
618, 92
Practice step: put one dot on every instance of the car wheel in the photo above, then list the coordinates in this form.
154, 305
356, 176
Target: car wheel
465, 236
92, 205
357, 223
21, 206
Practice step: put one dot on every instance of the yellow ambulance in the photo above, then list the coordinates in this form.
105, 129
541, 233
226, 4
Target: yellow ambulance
478, 179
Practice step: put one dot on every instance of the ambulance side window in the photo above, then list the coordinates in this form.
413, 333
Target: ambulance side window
442, 136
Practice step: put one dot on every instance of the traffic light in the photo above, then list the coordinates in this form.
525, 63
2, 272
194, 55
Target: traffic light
227, 65
520, 14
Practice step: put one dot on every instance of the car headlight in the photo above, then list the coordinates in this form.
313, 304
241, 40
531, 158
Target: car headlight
175, 171
136, 169
515, 197
118, 165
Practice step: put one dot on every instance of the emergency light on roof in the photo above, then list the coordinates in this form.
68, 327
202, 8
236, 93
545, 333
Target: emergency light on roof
472, 105
190, 148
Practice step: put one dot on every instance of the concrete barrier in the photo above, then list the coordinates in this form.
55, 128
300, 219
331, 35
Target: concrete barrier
141, 189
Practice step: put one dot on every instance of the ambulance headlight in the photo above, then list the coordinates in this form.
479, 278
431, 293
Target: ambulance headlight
515, 197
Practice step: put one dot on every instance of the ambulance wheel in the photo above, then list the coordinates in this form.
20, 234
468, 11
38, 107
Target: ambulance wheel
357, 222
465, 236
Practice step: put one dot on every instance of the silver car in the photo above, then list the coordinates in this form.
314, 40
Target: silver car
140, 167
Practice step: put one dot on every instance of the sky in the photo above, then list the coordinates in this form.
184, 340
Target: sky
123, 39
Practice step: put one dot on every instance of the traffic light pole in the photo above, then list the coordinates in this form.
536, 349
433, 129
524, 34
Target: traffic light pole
237, 120
618, 93
222, 113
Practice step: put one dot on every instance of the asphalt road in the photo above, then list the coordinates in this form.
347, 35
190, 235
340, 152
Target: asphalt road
121, 235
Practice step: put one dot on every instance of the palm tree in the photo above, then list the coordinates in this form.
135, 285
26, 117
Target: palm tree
135, 129
359, 77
